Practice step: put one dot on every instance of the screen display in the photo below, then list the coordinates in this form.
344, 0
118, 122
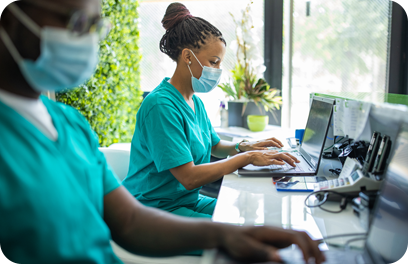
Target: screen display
315, 131
355, 176
388, 236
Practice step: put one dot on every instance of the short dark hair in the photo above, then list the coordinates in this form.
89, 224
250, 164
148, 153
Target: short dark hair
185, 31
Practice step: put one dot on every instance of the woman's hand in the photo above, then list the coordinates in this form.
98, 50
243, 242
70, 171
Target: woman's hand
272, 157
261, 243
260, 144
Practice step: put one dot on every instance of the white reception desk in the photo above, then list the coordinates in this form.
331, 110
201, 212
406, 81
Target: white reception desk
255, 201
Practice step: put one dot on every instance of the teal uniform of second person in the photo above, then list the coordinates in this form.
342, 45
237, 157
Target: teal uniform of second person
169, 134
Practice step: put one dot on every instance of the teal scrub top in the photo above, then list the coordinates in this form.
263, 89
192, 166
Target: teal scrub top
168, 134
51, 192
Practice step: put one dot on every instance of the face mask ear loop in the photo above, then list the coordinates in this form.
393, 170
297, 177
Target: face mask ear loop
197, 59
10, 46
26, 20
190, 70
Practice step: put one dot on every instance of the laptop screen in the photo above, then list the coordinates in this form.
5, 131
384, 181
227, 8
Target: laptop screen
388, 237
316, 128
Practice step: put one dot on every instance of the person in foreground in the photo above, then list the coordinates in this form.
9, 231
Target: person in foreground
174, 138
59, 200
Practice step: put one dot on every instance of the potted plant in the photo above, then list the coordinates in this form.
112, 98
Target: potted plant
249, 93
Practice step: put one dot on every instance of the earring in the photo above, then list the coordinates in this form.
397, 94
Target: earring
189, 62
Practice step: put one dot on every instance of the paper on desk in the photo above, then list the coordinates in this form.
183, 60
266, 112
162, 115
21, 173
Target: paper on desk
355, 116
338, 115
349, 167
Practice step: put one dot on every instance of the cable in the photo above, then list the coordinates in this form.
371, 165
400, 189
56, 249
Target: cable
343, 205
341, 235
347, 245
335, 171
334, 143
323, 200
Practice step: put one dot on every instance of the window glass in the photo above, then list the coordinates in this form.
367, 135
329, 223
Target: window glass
338, 46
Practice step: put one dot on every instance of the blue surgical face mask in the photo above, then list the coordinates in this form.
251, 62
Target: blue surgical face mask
210, 78
65, 60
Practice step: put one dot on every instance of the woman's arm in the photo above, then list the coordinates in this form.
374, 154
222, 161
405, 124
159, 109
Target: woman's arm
152, 232
192, 176
225, 148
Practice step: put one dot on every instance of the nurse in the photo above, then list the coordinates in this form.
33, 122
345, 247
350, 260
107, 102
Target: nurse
174, 139
59, 200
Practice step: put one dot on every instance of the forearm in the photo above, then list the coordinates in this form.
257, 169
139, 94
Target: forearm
224, 149
194, 176
152, 232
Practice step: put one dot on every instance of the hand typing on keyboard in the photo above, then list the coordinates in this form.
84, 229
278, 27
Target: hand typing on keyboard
271, 157
286, 167
264, 144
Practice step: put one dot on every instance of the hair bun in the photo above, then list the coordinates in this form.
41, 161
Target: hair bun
175, 13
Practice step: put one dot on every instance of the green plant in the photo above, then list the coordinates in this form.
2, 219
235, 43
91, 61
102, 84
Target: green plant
111, 97
245, 83
248, 87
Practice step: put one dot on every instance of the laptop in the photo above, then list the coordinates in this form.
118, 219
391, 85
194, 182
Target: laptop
311, 149
387, 238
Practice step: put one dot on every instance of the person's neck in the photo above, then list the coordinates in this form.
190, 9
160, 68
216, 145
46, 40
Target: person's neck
183, 84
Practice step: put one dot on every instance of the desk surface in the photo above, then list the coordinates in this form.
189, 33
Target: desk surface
255, 201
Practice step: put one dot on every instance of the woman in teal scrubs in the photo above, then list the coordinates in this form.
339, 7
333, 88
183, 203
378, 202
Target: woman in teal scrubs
173, 138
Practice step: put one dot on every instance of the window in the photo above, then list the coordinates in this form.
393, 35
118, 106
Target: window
398, 65
337, 46
156, 65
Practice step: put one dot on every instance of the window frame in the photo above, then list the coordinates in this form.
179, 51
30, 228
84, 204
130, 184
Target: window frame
273, 46
398, 51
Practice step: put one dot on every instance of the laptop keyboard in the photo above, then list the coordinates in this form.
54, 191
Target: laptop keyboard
332, 257
284, 168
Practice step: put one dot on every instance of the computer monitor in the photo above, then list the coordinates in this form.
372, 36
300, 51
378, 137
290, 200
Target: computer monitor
388, 237
316, 128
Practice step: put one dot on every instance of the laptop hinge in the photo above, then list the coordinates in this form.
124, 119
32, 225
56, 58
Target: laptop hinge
307, 161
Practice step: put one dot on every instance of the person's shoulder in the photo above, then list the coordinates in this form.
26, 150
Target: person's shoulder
198, 100
162, 96
69, 113
70, 117
199, 103
58, 106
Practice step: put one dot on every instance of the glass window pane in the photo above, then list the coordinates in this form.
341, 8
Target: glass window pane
340, 46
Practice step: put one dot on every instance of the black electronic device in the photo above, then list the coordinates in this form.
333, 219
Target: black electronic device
368, 198
382, 155
356, 150
371, 153
356, 204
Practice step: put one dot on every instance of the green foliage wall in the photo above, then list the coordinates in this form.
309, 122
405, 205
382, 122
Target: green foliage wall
111, 98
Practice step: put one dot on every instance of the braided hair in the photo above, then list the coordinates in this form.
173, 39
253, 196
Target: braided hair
185, 31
